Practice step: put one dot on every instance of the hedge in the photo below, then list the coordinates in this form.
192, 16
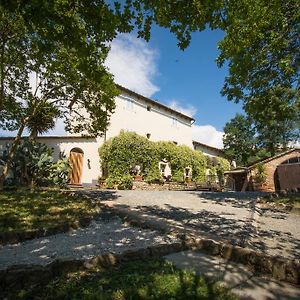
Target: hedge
120, 154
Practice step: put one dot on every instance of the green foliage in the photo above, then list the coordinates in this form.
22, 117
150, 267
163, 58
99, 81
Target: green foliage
260, 175
239, 140
60, 171
138, 279
120, 154
69, 73
246, 142
217, 166
124, 182
33, 164
153, 174
110, 182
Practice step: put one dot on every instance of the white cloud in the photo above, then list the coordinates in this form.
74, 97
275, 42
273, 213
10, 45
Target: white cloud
208, 134
188, 110
133, 63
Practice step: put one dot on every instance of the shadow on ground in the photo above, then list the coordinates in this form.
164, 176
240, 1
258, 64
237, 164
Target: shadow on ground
242, 232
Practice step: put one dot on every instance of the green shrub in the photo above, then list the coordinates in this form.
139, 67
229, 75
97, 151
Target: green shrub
153, 174
33, 164
261, 174
110, 182
177, 176
120, 154
125, 182
60, 171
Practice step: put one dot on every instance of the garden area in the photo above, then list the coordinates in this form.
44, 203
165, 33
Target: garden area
153, 279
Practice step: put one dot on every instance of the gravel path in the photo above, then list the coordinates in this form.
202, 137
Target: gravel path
229, 216
102, 236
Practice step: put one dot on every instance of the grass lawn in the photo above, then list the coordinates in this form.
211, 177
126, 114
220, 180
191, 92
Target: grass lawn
26, 210
154, 279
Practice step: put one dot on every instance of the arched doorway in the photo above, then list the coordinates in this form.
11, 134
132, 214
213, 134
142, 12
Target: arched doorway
76, 159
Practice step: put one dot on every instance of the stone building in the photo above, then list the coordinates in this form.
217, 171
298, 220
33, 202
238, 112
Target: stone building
280, 172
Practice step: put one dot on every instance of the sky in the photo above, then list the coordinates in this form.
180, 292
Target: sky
188, 81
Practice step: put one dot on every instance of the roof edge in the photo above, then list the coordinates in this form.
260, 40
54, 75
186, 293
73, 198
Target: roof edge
120, 87
208, 146
273, 157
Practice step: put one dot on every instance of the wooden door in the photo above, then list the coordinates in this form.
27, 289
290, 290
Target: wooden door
76, 159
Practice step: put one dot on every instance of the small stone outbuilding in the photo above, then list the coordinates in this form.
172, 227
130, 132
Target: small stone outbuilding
280, 172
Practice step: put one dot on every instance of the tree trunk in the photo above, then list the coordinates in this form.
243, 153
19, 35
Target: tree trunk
33, 135
11, 154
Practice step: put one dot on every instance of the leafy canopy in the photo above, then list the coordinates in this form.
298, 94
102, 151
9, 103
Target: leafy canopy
261, 47
52, 63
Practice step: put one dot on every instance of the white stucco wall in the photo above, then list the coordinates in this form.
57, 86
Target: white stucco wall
208, 151
90, 171
130, 114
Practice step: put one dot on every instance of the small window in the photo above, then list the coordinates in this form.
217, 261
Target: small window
129, 104
148, 135
174, 122
175, 142
149, 108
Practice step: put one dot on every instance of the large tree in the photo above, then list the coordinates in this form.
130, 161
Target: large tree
52, 63
261, 47
239, 140
69, 40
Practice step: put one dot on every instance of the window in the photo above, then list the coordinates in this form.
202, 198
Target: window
129, 104
148, 135
174, 122
149, 108
175, 143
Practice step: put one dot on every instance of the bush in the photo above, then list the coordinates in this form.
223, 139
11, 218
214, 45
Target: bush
153, 174
120, 154
125, 182
33, 165
110, 182
261, 174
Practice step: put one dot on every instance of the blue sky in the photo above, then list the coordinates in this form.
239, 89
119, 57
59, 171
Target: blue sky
192, 76
188, 81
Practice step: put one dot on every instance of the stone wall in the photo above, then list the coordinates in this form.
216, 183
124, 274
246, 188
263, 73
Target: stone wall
173, 186
270, 168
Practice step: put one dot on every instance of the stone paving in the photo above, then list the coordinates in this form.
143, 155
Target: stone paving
228, 216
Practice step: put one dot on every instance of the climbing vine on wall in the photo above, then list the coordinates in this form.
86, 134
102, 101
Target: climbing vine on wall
121, 154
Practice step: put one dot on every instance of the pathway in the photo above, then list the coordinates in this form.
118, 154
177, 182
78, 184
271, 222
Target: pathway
234, 217
106, 234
